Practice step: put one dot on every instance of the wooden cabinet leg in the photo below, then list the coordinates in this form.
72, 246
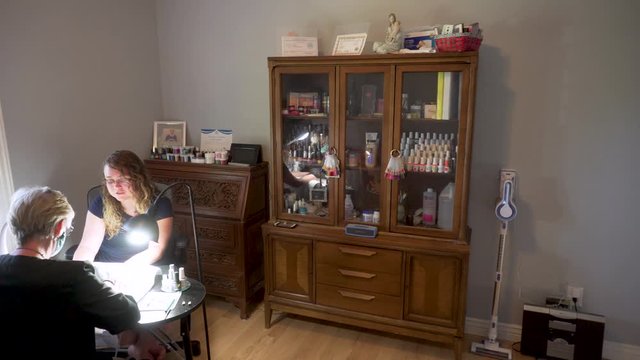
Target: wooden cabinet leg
267, 315
243, 309
457, 348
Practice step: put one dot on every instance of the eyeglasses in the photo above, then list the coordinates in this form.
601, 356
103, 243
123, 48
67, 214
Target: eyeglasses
118, 182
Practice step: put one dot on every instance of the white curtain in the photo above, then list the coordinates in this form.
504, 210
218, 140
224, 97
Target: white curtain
6, 181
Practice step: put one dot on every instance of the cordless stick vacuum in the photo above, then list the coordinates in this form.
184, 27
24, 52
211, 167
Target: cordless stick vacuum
505, 211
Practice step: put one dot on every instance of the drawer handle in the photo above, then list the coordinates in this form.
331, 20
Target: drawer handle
353, 295
357, 274
352, 251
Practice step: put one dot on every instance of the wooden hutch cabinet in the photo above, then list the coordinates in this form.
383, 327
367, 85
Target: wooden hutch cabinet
411, 277
231, 205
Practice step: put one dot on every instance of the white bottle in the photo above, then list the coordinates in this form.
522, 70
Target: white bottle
348, 207
401, 207
445, 207
429, 200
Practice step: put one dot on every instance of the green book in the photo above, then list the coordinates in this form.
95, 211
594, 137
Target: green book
451, 96
439, 99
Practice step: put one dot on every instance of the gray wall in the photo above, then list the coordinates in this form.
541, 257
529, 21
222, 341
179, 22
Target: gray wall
78, 80
556, 97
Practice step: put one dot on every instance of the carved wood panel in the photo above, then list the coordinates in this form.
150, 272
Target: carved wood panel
219, 284
208, 257
211, 233
209, 194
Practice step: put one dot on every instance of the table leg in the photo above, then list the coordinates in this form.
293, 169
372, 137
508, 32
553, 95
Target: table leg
185, 330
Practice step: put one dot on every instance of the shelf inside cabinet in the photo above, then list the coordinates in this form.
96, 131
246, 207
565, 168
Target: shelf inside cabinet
450, 175
359, 220
373, 117
374, 169
430, 121
305, 117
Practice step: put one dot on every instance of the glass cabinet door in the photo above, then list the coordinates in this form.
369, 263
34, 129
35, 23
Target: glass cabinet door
431, 123
365, 133
303, 137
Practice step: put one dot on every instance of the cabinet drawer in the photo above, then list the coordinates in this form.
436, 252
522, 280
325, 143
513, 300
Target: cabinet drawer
212, 233
221, 284
359, 257
360, 301
213, 258
349, 277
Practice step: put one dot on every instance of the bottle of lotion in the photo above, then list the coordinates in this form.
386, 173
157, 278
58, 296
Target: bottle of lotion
429, 200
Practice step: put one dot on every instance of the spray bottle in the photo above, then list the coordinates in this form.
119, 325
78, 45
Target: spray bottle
429, 201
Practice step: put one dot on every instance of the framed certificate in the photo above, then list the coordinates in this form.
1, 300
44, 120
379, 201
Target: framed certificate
349, 44
299, 46
215, 139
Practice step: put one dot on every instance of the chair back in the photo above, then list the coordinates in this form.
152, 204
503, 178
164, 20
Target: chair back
176, 252
93, 193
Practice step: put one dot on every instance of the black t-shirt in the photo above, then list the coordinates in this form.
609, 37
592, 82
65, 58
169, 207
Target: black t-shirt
117, 248
49, 308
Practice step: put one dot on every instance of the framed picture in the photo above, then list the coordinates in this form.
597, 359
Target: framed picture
299, 46
350, 44
169, 133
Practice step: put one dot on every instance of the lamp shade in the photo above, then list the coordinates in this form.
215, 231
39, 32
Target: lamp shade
141, 229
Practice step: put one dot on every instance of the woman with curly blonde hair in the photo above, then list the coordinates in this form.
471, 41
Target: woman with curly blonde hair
127, 191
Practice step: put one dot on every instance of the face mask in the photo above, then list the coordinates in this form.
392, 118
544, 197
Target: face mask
59, 244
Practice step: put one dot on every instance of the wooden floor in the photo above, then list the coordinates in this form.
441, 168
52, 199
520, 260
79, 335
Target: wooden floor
294, 337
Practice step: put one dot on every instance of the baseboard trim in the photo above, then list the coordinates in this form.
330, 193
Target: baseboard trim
619, 351
512, 332
508, 332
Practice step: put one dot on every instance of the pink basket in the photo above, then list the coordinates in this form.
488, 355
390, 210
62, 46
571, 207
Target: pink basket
458, 42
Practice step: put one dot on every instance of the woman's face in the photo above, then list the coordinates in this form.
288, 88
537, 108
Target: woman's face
392, 19
118, 184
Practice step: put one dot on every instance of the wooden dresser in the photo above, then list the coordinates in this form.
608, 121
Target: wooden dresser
231, 205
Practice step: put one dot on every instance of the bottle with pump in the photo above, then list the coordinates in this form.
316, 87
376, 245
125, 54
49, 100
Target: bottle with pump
445, 207
429, 201
348, 207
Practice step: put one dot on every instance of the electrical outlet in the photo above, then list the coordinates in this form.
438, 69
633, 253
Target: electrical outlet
575, 292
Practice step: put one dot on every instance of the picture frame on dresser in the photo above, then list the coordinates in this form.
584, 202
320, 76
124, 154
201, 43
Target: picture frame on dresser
249, 154
169, 133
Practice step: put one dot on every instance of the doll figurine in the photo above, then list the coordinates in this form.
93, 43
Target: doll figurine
393, 40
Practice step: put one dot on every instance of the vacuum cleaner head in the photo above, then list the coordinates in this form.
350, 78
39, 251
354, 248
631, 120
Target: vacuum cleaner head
491, 349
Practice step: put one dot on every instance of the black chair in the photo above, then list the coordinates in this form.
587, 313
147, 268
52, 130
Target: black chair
176, 252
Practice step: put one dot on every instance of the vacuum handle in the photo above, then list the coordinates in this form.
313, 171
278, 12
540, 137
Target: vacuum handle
506, 210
